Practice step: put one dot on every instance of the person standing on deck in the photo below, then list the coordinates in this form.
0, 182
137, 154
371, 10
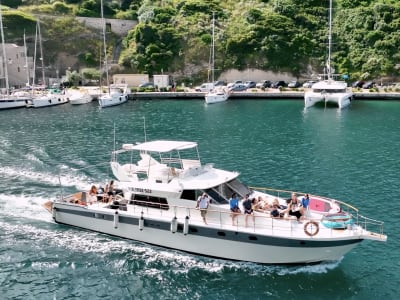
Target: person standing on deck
234, 207
202, 203
248, 209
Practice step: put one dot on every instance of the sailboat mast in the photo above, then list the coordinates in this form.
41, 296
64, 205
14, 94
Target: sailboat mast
5, 67
329, 67
41, 52
26, 61
104, 45
34, 57
213, 49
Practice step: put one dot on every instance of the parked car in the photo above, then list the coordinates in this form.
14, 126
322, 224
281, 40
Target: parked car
264, 84
294, 84
219, 83
235, 82
146, 85
279, 83
205, 87
250, 84
237, 87
368, 85
358, 84
309, 83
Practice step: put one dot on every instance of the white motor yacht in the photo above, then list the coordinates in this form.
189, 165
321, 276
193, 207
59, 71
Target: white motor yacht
160, 182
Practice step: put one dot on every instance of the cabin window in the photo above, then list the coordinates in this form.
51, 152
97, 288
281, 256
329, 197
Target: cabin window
149, 201
189, 195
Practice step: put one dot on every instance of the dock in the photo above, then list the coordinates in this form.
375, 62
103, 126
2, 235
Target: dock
262, 95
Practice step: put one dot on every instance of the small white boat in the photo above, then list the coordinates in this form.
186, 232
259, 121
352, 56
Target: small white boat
50, 98
161, 182
217, 95
77, 97
329, 91
13, 101
116, 95
8, 101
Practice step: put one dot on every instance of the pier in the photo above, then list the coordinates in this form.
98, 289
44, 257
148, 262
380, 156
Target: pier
262, 95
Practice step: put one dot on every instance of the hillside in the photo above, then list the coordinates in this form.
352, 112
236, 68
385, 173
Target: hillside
175, 35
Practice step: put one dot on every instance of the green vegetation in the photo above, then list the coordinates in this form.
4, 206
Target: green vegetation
279, 35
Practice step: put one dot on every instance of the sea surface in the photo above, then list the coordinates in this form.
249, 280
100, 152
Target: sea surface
351, 155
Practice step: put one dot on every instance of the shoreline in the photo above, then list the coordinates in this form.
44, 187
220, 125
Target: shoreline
262, 95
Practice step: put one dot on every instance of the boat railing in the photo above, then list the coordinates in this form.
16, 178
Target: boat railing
259, 223
369, 224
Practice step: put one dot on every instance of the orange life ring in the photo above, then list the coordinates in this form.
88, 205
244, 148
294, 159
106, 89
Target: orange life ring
311, 224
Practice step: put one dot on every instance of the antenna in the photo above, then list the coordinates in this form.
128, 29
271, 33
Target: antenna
144, 128
26, 61
114, 139
61, 189
4, 60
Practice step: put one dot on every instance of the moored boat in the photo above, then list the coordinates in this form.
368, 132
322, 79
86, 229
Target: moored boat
7, 100
217, 94
13, 101
329, 90
77, 97
50, 98
161, 182
116, 95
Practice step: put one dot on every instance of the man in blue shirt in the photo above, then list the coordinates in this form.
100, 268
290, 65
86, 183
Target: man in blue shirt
234, 206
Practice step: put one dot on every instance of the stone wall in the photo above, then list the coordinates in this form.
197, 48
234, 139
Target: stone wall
117, 26
255, 75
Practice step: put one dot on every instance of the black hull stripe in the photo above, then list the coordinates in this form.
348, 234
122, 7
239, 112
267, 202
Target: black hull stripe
221, 234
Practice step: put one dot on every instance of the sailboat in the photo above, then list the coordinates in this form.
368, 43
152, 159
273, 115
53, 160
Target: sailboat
44, 97
217, 94
116, 94
8, 101
329, 90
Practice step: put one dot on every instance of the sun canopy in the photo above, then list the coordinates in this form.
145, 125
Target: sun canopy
161, 146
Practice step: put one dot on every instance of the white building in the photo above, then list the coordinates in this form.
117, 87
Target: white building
17, 71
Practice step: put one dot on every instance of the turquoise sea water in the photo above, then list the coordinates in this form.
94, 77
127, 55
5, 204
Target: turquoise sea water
350, 155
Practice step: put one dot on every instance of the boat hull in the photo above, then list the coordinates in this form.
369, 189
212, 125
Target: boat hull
78, 99
225, 243
216, 97
10, 103
112, 99
47, 101
341, 100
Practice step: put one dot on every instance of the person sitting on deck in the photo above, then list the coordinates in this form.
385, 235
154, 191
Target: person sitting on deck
276, 211
92, 194
105, 194
234, 207
294, 208
262, 205
111, 191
